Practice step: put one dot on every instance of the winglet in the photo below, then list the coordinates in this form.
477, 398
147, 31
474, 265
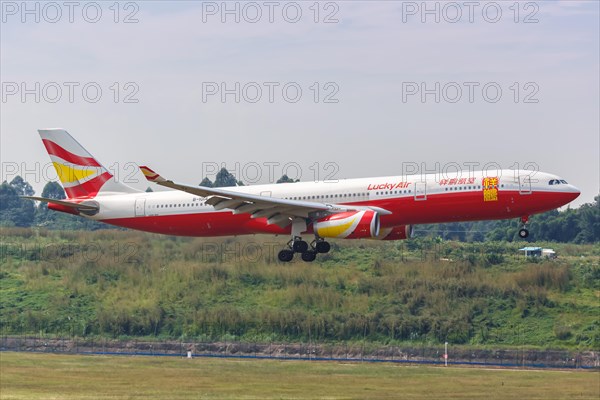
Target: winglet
151, 175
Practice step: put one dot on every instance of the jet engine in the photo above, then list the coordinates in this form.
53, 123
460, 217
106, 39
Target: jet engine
362, 224
400, 232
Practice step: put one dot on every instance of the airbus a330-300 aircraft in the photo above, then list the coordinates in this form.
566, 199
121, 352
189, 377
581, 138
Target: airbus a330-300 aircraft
383, 208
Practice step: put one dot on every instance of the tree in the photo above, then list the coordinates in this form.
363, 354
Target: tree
206, 183
589, 222
9, 201
21, 186
286, 179
53, 190
15, 211
225, 178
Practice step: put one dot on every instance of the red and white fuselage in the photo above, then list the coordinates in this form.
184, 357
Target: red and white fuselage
409, 201
337, 209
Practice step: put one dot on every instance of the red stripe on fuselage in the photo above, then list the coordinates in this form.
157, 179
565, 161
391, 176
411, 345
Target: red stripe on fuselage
437, 208
469, 206
200, 224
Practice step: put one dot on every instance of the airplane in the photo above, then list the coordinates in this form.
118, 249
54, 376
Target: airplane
382, 208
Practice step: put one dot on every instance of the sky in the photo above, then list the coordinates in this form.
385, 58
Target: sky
317, 90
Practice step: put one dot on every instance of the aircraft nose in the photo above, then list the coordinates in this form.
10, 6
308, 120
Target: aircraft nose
574, 192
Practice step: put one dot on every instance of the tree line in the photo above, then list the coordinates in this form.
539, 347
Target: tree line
573, 225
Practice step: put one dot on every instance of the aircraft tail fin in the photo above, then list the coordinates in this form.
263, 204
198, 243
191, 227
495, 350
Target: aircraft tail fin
80, 173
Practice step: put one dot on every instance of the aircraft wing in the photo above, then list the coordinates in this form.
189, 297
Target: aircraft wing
277, 211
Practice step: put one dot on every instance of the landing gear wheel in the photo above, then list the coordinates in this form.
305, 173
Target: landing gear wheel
285, 255
523, 233
309, 256
299, 246
322, 247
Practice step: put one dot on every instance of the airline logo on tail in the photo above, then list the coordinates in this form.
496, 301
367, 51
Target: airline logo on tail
80, 174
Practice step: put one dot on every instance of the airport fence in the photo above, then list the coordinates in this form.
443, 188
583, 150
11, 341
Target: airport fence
354, 352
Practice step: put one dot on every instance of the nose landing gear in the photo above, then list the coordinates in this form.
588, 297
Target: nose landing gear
524, 232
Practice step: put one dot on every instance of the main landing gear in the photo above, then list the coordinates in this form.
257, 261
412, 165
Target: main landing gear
523, 232
297, 245
309, 253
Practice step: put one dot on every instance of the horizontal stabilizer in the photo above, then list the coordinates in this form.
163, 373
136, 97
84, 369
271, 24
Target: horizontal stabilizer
78, 206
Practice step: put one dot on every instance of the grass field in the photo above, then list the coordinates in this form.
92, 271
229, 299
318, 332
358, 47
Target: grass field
48, 376
115, 284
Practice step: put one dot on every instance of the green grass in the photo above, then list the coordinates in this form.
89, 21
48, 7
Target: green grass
47, 376
424, 291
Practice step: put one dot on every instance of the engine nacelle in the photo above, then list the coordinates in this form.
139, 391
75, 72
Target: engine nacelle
362, 224
400, 232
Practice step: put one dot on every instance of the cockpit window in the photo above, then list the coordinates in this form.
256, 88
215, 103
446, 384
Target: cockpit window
551, 182
556, 182
563, 181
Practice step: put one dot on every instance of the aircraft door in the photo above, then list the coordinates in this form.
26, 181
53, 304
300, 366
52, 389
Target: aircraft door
524, 184
140, 207
420, 191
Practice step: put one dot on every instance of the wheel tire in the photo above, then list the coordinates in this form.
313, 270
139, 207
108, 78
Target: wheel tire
285, 255
523, 233
322, 247
309, 256
300, 246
